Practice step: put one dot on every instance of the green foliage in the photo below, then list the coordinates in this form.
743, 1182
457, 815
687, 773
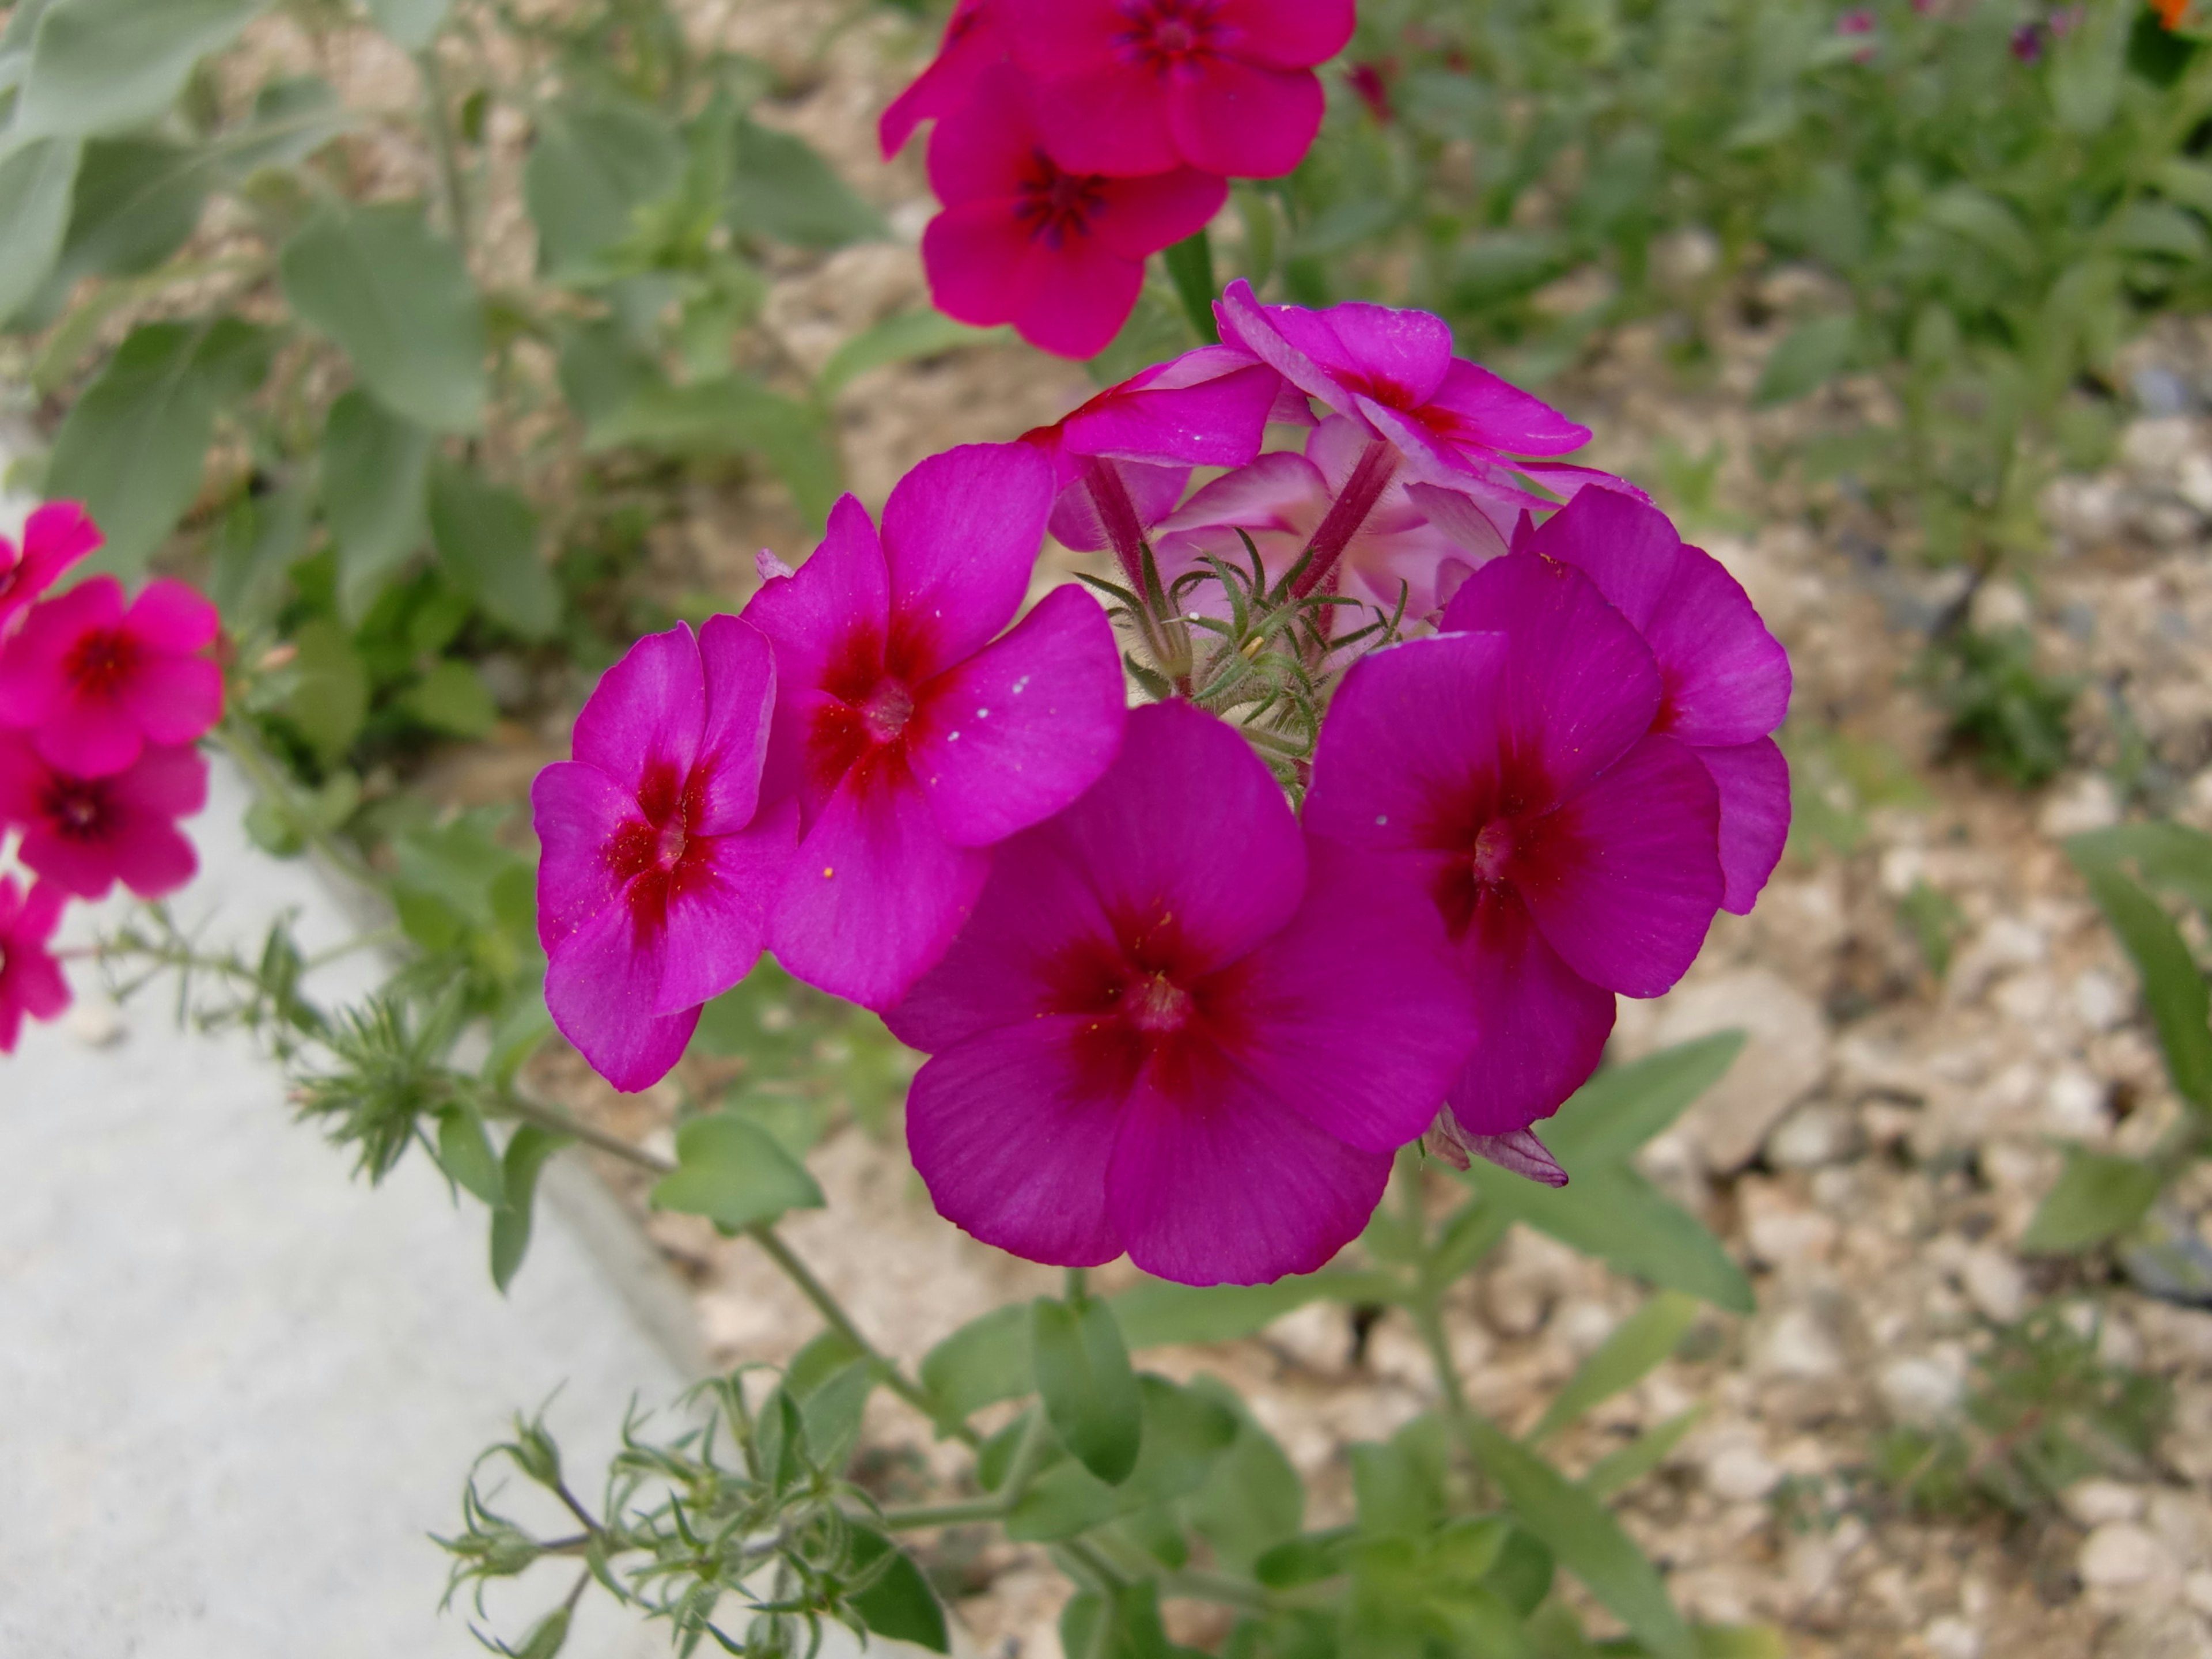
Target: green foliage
2010, 717
735, 1175
1082, 1373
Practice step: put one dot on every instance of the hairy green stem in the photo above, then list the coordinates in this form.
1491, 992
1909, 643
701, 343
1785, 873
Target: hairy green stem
439, 119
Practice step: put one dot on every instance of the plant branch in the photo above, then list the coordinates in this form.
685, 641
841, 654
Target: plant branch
439, 119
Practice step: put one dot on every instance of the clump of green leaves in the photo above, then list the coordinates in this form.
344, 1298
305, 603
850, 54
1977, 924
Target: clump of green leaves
2045, 1412
2009, 716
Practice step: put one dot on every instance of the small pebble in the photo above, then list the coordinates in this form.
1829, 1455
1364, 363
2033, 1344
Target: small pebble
2119, 1555
1951, 1637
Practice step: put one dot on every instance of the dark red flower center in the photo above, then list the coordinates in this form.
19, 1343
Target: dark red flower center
875, 687
1056, 205
76, 809
1493, 851
1155, 1003
655, 856
101, 662
1162, 33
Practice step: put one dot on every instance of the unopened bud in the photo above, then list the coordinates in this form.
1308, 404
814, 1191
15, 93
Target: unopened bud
278, 656
769, 566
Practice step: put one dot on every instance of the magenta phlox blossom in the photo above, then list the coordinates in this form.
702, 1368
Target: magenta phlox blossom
1725, 680
657, 866
1282, 500
1140, 86
973, 43
31, 982
95, 680
55, 536
84, 835
1514, 778
912, 736
1058, 252
1449, 422
1176, 1029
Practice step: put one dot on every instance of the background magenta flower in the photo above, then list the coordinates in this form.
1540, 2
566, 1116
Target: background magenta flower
1724, 678
909, 738
1140, 86
84, 835
31, 982
1057, 252
1169, 1031
1514, 779
1450, 421
96, 681
658, 867
55, 536
973, 43
1281, 500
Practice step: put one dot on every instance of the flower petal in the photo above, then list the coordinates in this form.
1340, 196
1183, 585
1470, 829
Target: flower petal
1580, 684
1062, 37
1358, 1017
1076, 522
1487, 409
1013, 1145
150, 855
1013, 734
1288, 34
1625, 877
985, 147
169, 616
1543, 1027
1110, 118
977, 254
961, 533
1207, 408
88, 738
1078, 296
577, 810
1628, 548
1227, 1185
739, 703
645, 712
717, 916
1244, 119
31, 679
1753, 780
174, 699
972, 43
168, 782
1727, 678
1139, 216
601, 986
876, 893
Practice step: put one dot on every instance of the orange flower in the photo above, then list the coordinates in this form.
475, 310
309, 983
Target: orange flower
2170, 12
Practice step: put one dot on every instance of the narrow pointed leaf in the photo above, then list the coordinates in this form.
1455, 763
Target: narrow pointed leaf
1089, 1389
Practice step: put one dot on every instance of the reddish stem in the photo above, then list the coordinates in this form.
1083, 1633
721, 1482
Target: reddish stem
1378, 463
1124, 533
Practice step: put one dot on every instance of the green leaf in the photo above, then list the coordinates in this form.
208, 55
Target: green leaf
1808, 357
260, 537
730, 415
1122, 1624
526, 1153
734, 1174
2087, 63
464, 1153
136, 201
1157, 1314
900, 339
547, 1636
293, 117
450, 698
2099, 1196
1618, 1470
782, 189
985, 1361
1587, 1540
101, 66
1611, 1211
37, 180
593, 167
1190, 268
376, 475
832, 1412
329, 699
2174, 986
1741, 1642
1252, 1501
487, 538
412, 24
2168, 855
1984, 223
1183, 1432
399, 301
1612, 1115
132, 448
900, 1604
1642, 1342
2158, 227
1089, 1392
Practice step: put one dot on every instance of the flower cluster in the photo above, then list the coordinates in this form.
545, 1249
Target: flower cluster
1450, 742
102, 700
1077, 138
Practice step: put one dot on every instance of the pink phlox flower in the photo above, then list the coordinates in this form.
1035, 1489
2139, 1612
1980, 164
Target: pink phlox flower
912, 736
1139, 86
1857, 20
2027, 42
55, 536
1282, 499
84, 835
1371, 83
973, 43
31, 982
1175, 1029
1451, 423
1514, 779
1058, 254
1724, 678
96, 681
659, 863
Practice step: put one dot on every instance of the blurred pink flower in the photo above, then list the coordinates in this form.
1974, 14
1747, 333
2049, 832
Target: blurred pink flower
1057, 252
96, 681
31, 982
84, 835
1140, 86
972, 43
55, 536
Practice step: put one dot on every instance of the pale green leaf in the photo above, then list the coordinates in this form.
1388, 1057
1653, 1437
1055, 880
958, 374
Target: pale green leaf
375, 480
2173, 985
1156, 1313
734, 1174
511, 1219
1809, 356
782, 189
1639, 1345
1618, 1470
1612, 1115
899, 1604
36, 182
2098, 1197
1090, 1393
412, 24
592, 165
100, 66
450, 698
487, 538
900, 339
985, 1361
328, 698
730, 415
